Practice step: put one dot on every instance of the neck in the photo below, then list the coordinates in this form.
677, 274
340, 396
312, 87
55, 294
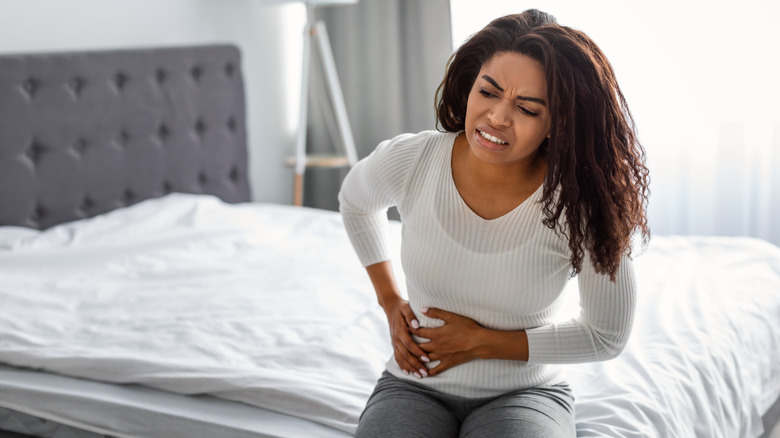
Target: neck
501, 177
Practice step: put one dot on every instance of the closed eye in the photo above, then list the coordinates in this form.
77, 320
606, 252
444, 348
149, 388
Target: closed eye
528, 112
486, 93
489, 94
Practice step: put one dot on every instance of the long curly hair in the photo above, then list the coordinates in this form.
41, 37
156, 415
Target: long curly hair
596, 180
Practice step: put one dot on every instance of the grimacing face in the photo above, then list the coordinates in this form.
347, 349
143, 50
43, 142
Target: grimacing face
507, 114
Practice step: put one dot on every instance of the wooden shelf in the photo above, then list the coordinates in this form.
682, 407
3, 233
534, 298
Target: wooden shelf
321, 161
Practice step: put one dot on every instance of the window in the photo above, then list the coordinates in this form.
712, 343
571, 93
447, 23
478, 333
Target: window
702, 80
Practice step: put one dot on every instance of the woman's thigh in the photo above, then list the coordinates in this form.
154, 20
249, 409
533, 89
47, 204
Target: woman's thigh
544, 412
402, 409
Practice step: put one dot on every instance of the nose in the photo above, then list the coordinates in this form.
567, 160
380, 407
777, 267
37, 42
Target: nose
499, 114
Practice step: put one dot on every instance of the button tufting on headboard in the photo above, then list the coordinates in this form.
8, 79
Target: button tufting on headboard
80, 146
162, 133
122, 137
39, 213
128, 197
120, 80
234, 174
200, 127
87, 205
160, 76
75, 86
35, 151
84, 132
30, 87
196, 72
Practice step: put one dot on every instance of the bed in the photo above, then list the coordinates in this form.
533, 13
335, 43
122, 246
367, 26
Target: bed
143, 294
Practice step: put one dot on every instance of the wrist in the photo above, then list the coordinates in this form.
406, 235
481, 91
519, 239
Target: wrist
500, 344
390, 302
483, 344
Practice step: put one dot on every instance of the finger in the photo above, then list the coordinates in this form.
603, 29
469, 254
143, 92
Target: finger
404, 364
409, 316
428, 348
426, 332
412, 366
411, 347
414, 349
404, 358
435, 313
441, 367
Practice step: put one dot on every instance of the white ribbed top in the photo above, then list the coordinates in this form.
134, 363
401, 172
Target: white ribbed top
506, 273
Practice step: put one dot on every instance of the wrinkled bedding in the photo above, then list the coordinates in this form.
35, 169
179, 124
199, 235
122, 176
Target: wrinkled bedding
267, 305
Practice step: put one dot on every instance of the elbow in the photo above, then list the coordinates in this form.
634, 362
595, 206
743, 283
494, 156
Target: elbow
612, 351
609, 345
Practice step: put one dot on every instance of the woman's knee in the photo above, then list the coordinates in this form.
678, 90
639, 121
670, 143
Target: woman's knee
537, 412
397, 408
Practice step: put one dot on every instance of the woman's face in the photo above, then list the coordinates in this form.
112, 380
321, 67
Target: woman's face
507, 114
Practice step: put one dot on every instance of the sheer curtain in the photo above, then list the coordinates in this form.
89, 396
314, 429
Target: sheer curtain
702, 80
390, 56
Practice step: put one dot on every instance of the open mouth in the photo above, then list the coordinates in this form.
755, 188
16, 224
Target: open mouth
491, 138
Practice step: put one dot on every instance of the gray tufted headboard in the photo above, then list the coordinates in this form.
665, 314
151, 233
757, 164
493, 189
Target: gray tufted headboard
83, 133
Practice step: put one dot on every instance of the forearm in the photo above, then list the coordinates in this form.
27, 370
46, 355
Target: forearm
385, 286
500, 344
604, 324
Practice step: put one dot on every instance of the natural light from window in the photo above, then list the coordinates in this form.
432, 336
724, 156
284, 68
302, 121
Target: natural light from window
702, 81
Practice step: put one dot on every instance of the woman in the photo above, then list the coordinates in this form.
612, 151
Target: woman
537, 177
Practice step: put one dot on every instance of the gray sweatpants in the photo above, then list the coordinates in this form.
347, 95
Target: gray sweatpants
400, 408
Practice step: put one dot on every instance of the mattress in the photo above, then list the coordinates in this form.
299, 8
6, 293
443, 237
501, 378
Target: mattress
49, 405
265, 307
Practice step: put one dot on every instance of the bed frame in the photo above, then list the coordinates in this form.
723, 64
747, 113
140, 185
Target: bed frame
83, 133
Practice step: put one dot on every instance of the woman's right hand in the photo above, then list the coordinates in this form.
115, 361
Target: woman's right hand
409, 356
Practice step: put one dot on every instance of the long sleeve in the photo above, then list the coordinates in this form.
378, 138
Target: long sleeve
373, 185
603, 327
505, 273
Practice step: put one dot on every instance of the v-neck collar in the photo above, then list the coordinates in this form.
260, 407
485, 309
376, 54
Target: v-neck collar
450, 180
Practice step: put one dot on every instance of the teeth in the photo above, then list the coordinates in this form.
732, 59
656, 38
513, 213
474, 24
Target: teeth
489, 137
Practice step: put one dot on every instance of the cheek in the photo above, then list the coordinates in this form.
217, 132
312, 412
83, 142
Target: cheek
532, 128
471, 109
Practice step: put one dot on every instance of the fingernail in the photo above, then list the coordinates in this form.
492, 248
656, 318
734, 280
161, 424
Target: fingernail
418, 375
406, 372
424, 310
415, 324
425, 359
423, 372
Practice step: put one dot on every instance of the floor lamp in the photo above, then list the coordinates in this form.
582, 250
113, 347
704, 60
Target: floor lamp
315, 37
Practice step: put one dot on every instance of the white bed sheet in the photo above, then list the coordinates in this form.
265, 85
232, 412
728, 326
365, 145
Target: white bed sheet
267, 305
260, 304
125, 411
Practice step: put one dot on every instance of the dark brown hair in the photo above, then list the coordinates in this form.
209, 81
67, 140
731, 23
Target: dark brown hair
463, 66
596, 177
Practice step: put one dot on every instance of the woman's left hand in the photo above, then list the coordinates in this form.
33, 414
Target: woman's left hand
452, 344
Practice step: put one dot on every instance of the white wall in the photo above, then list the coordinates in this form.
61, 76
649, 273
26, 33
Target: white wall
269, 36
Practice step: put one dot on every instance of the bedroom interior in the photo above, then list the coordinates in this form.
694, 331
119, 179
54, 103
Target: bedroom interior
157, 282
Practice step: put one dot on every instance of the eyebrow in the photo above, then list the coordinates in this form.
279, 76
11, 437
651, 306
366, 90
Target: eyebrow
529, 98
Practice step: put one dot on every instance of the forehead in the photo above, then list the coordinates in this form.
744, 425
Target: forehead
517, 72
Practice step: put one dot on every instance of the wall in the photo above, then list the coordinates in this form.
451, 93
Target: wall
269, 36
